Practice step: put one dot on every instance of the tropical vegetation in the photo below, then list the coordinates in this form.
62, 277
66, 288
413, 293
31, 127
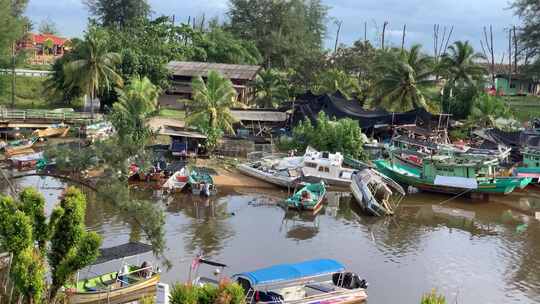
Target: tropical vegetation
225, 293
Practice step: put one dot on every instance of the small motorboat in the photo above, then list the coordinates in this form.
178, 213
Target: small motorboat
22, 146
177, 182
310, 197
60, 130
129, 284
314, 281
201, 183
375, 193
282, 172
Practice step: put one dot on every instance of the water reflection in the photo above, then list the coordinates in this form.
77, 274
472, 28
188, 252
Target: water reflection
299, 226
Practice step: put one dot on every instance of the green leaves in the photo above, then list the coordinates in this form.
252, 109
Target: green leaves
270, 88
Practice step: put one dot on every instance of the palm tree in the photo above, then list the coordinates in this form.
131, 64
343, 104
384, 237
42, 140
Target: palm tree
210, 104
486, 110
334, 80
136, 101
460, 65
95, 69
404, 77
270, 88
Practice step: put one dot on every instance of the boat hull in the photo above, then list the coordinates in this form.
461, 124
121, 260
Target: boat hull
355, 296
365, 199
285, 182
499, 185
121, 295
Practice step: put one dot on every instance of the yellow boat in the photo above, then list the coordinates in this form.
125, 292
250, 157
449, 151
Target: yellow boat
127, 285
55, 130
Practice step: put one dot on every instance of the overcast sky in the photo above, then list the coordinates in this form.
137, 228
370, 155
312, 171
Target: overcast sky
467, 16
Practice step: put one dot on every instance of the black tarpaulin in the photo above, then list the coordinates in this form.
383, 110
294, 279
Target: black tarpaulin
121, 251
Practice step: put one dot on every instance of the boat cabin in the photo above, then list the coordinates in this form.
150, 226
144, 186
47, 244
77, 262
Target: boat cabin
442, 165
531, 158
325, 165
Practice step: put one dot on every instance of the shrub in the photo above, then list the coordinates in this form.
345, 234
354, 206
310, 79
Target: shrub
433, 298
226, 293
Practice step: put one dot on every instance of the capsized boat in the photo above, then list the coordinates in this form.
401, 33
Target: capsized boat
60, 130
375, 193
282, 172
327, 167
310, 197
313, 281
452, 175
201, 183
130, 283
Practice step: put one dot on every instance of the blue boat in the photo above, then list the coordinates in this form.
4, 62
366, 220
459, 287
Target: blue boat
313, 281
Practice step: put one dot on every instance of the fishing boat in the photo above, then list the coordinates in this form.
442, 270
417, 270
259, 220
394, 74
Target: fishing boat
309, 282
201, 183
26, 162
16, 147
60, 130
530, 166
327, 167
310, 198
375, 193
282, 172
453, 175
128, 284
177, 182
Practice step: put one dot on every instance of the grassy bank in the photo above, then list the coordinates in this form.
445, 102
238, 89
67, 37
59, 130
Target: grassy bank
29, 92
524, 108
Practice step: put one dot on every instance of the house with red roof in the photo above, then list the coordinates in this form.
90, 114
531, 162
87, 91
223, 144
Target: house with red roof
43, 48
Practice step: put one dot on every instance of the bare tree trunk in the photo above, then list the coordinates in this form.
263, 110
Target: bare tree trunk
403, 37
365, 31
492, 54
339, 23
489, 46
515, 51
383, 32
509, 59
13, 75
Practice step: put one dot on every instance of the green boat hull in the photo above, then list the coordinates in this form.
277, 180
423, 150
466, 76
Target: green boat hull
317, 192
412, 177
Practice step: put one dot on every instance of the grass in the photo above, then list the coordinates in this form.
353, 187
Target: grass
524, 108
172, 113
29, 92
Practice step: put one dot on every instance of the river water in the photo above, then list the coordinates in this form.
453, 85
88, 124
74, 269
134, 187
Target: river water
472, 252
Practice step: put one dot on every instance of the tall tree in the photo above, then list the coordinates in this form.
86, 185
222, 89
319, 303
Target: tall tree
284, 31
47, 26
529, 35
119, 13
333, 80
136, 101
210, 108
96, 68
404, 77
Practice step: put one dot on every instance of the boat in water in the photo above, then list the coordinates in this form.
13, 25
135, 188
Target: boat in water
60, 130
453, 175
177, 181
21, 146
375, 193
282, 172
309, 282
310, 198
130, 283
201, 183
326, 167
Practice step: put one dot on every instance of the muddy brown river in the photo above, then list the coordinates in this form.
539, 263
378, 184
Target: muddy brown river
472, 252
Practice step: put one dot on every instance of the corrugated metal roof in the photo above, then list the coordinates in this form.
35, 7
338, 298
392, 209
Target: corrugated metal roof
248, 115
231, 71
170, 131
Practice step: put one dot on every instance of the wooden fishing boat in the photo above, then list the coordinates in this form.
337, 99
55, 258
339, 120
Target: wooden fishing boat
27, 161
530, 166
59, 130
129, 284
375, 193
309, 282
310, 198
16, 147
446, 174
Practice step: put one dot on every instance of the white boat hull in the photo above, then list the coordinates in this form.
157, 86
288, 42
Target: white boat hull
281, 181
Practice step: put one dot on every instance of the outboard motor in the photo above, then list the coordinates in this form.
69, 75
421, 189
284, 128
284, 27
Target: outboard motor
349, 280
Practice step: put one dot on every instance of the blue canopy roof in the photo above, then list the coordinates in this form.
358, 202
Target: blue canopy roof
287, 272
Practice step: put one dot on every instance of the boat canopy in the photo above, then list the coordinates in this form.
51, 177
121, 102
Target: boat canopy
121, 251
289, 272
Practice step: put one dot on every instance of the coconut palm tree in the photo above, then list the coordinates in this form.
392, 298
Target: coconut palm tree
486, 110
136, 102
210, 104
95, 69
270, 88
333, 80
404, 77
460, 65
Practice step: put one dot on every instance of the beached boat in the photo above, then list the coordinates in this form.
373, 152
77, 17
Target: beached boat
282, 172
27, 161
177, 182
375, 193
447, 174
60, 130
309, 282
129, 284
201, 183
17, 146
327, 167
310, 198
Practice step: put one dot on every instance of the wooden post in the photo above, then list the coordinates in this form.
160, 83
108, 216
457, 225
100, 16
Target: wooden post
339, 23
403, 37
383, 32
13, 75
365, 31
515, 51
509, 59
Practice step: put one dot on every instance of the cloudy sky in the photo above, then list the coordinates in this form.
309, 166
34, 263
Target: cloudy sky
467, 16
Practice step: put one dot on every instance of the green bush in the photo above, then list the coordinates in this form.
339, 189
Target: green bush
226, 293
433, 298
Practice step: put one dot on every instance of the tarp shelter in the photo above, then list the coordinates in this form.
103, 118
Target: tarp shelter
259, 122
122, 251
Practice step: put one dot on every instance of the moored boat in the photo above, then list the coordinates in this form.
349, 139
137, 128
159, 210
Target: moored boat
129, 284
326, 167
201, 183
310, 198
375, 193
314, 281
280, 172
18, 146
446, 174
177, 181
60, 130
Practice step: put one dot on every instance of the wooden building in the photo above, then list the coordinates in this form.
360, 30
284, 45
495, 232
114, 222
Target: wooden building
259, 122
183, 72
43, 48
